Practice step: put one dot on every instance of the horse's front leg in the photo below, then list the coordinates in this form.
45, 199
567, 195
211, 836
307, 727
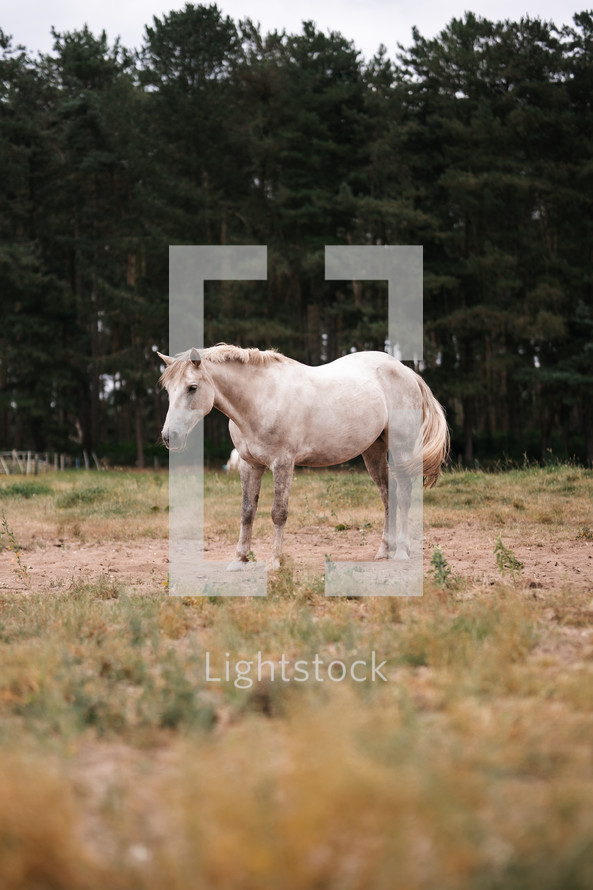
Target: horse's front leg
251, 477
283, 471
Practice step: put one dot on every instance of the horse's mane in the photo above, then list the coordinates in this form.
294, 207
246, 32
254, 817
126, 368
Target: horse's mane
222, 352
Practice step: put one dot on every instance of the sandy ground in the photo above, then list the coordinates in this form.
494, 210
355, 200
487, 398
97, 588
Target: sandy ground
142, 565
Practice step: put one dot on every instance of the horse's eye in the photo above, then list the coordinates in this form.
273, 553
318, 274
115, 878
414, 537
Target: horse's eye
192, 388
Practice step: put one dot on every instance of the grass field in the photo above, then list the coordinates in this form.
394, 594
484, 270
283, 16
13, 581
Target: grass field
470, 766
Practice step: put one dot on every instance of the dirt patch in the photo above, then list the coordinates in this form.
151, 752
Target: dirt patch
552, 563
142, 565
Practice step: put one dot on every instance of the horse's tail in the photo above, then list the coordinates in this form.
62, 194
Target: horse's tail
427, 460
435, 436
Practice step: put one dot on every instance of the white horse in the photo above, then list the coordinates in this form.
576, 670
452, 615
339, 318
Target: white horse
283, 413
233, 463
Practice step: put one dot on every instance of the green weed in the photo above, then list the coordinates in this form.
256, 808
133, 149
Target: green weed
440, 568
78, 497
24, 490
506, 560
8, 542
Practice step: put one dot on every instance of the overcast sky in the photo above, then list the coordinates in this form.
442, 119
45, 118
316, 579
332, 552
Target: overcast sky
367, 22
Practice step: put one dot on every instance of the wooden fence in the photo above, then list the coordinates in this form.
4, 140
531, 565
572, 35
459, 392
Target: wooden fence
29, 462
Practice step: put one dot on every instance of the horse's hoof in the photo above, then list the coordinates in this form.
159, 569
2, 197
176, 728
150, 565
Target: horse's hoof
273, 565
383, 551
237, 565
401, 553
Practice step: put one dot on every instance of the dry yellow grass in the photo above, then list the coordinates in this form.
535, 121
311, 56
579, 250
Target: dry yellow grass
123, 766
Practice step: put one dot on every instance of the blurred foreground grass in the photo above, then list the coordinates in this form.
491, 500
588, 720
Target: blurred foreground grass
124, 766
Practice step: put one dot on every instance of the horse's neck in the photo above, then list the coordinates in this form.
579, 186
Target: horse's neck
235, 388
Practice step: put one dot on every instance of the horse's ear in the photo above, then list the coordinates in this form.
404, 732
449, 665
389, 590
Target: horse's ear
194, 358
166, 358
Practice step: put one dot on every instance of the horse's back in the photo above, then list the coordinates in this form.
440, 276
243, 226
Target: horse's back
372, 368
325, 414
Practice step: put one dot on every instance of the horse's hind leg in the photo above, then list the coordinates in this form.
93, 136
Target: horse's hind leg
404, 501
251, 477
375, 459
405, 435
283, 471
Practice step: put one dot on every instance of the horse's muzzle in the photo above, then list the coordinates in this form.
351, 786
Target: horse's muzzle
174, 441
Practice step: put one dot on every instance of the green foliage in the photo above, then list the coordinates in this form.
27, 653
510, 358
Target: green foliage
24, 490
475, 143
80, 496
506, 560
8, 542
440, 568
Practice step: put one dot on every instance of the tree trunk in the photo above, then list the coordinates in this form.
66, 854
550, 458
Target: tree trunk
468, 431
4, 414
564, 424
547, 419
331, 325
139, 406
588, 430
95, 380
314, 334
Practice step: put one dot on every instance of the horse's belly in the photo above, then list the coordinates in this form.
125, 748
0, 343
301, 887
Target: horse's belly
325, 460
329, 442
322, 420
